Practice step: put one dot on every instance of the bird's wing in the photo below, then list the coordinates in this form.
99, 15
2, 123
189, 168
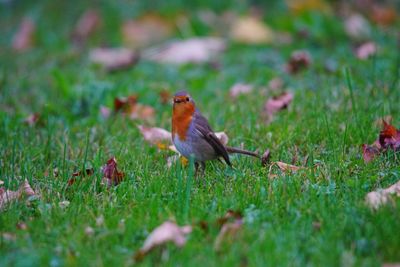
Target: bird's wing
202, 126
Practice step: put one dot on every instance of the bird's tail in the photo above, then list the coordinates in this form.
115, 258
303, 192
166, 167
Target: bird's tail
234, 150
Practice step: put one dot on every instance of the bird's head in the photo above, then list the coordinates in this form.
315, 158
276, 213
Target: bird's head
183, 104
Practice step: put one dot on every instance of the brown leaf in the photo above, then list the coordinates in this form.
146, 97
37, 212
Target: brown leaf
299, 60
369, 152
7, 196
375, 199
230, 215
88, 23
155, 135
32, 119
21, 226
389, 137
357, 26
143, 112
146, 30
23, 39
384, 15
240, 88
285, 167
167, 232
165, 96
301, 6
366, 50
277, 103
75, 175
251, 30
111, 175
125, 104
113, 59
195, 50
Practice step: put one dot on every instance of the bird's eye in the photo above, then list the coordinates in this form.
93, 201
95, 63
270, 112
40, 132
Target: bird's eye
187, 98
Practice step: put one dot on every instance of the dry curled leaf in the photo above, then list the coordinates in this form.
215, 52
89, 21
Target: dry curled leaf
111, 175
88, 23
113, 59
285, 167
156, 136
369, 152
77, 174
240, 88
132, 109
23, 39
384, 15
299, 60
146, 30
275, 104
366, 50
251, 30
357, 26
375, 199
7, 196
167, 232
195, 50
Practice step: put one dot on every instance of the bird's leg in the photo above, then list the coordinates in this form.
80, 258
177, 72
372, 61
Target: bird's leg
199, 166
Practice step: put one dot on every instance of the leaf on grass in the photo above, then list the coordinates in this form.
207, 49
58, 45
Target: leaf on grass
299, 60
167, 232
377, 198
251, 30
23, 39
32, 119
240, 88
7, 196
175, 158
113, 59
366, 50
301, 6
146, 30
369, 152
156, 136
384, 15
285, 167
195, 50
132, 109
357, 26
87, 24
111, 175
275, 104
231, 224
165, 96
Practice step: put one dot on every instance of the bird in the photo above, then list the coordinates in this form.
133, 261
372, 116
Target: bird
193, 136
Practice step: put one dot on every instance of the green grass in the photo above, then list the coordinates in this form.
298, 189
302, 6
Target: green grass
333, 113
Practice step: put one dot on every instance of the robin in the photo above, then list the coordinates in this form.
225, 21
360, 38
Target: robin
193, 136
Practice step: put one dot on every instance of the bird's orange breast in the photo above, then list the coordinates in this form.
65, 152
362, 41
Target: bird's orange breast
182, 116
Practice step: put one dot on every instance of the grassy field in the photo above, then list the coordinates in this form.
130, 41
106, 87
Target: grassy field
315, 217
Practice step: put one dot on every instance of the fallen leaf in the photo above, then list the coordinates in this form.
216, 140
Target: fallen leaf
369, 152
7, 196
285, 167
299, 60
377, 198
366, 50
143, 112
389, 137
391, 264
111, 175
165, 97
251, 30
32, 119
22, 226
113, 59
125, 104
23, 39
384, 15
167, 232
146, 30
357, 27
240, 88
155, 135
88, 23
379, 123
265, 158
275, 104
195, 50
231, 224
